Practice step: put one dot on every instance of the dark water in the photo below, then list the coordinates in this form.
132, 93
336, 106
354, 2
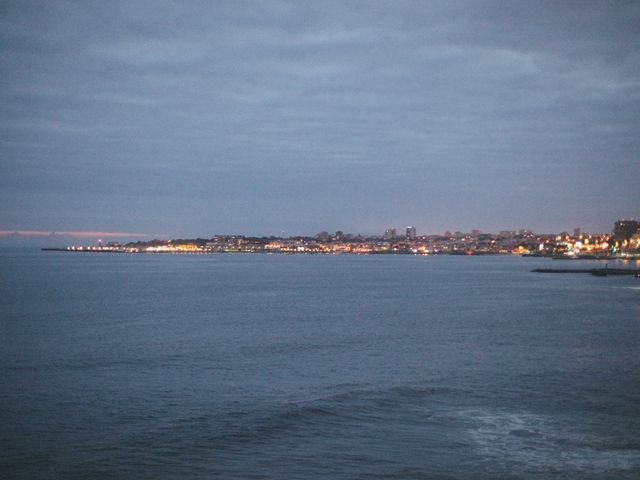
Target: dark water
303, 367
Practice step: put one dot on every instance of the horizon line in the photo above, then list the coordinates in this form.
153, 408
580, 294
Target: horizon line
77, 233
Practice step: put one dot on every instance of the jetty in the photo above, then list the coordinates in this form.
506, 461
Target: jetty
599, 272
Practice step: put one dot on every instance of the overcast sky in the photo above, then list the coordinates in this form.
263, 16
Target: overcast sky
194, 118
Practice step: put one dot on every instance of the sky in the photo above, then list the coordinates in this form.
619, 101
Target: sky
183, 119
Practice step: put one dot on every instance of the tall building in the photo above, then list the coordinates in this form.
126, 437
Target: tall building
390, 234
576, 232
411, 232
625, 229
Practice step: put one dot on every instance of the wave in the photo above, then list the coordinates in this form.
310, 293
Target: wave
324, 416
545, 443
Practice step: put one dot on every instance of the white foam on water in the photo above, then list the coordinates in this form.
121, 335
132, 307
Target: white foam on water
539, 443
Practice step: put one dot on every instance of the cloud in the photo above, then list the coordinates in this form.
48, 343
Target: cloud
174, 117
79, 234
146, 53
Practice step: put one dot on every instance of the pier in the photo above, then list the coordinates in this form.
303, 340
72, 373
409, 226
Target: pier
599, 272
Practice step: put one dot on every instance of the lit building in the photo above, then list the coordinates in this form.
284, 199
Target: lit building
624, 229
411, 232
390, 234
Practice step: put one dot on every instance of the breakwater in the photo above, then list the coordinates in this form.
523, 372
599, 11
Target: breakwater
600, 272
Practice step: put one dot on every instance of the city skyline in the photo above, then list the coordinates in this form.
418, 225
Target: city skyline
168, 120
391, 232
622, 244
410, 234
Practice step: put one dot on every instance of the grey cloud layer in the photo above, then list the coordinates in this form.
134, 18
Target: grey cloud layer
264, 116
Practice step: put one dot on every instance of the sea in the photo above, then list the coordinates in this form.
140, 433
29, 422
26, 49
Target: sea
255, 366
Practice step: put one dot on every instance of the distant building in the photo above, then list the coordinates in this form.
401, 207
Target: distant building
625, 229
576, 232
390, 234
323, 236
475, 232
339, 235
411, 232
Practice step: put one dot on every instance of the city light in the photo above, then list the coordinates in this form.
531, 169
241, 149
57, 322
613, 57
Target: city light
624, 242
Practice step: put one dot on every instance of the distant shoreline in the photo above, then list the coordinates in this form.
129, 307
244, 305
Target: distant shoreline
123, 250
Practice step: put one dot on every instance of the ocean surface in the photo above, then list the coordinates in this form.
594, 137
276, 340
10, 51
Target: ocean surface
250, 366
